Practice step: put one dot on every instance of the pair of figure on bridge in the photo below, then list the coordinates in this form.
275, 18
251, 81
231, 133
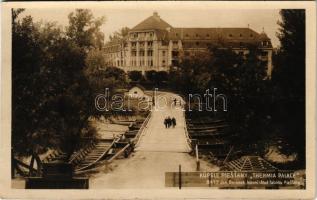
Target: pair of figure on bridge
168, 122
175, 102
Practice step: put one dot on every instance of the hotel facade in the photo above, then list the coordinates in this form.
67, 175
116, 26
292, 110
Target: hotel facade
153, 44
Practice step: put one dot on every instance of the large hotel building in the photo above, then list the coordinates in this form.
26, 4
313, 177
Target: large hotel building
153, 44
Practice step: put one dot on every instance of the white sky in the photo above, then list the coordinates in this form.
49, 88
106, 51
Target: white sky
117, 18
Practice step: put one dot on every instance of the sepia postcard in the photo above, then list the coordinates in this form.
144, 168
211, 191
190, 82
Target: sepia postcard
158, 100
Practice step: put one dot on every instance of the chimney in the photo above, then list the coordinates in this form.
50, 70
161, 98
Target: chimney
156, 16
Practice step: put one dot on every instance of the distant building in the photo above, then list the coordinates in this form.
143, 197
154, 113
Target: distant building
153, 44
137, 92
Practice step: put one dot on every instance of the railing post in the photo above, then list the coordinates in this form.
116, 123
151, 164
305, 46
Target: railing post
180, 177
13, 165
197, 159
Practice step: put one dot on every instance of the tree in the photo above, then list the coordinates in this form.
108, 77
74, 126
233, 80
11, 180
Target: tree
135, 75
25, 84
119, 35
240, 79
291, 54
52, 99
99, 80
95, 60
151, 75
193, 74
161, 76
288, 79
84, 30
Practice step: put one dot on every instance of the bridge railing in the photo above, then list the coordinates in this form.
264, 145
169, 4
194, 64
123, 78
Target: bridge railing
81, 153
137, 137
189, 142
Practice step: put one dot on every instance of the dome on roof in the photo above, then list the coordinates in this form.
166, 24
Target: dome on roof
263, 35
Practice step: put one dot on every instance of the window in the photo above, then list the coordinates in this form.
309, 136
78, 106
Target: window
230, 35
197, 43
163, 53
197, 35
176, 34
141, 44
133, 44
175, 62
133, 53
150, 53
150, 62
141, 53
240, 35
264, 63
149, 44
151, 34
264, 53
174, 53
208, 35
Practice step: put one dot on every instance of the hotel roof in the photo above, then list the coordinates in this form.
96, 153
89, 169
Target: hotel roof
195, 37
153, 22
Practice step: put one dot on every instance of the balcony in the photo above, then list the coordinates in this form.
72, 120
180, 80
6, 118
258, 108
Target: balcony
175, 46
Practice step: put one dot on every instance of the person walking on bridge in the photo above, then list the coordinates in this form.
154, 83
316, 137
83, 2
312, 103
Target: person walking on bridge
175, 101
173, 122
165, 123
169, 122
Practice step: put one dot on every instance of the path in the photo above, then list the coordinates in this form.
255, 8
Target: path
159, 150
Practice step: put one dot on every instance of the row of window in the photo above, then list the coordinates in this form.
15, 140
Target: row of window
120, 63
142, 44
142, 53
264, 56
142, 63
136, 35
208, 35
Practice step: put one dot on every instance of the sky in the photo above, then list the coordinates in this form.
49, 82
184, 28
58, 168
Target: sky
257, 19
